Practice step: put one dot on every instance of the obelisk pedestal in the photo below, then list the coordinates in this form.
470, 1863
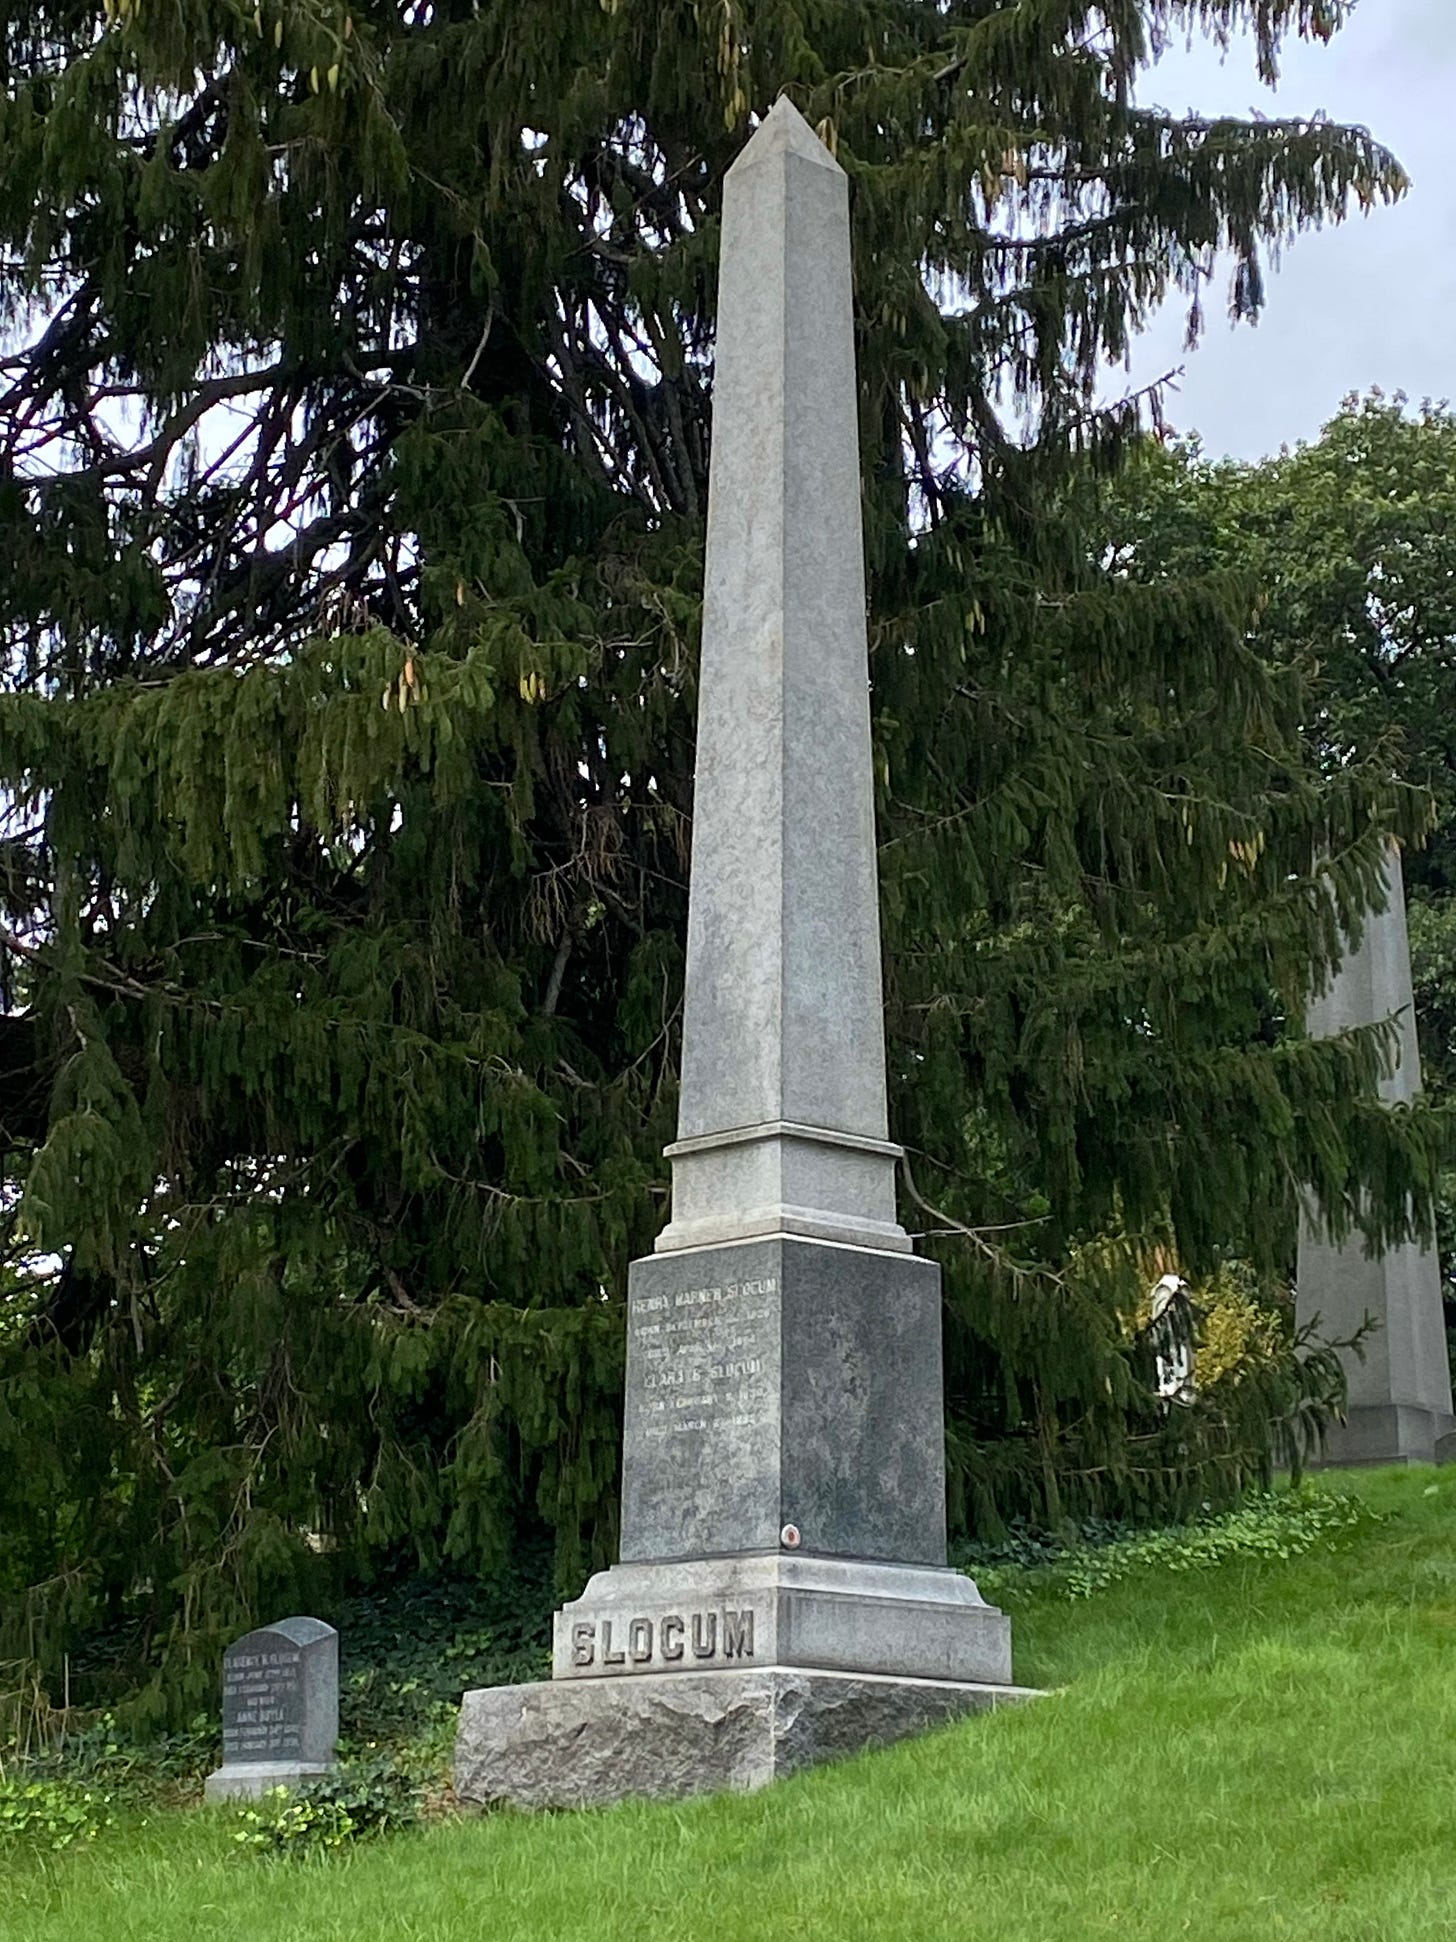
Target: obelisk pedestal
1400, 1392
783, 1593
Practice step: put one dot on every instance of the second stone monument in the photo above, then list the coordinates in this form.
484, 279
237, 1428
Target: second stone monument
280, 1709
783, 1592
1400, 1383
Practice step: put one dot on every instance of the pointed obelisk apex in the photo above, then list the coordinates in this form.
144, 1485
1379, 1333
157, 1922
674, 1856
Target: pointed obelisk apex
782, 1125
1400, 1393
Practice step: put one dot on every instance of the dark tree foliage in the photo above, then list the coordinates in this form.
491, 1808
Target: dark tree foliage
1352, 539
355, 425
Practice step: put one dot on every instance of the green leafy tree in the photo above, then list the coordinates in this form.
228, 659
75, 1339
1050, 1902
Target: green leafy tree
1352, 543
355, 432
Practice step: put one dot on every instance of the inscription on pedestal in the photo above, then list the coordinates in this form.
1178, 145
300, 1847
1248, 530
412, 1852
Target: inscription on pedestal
704, 1356
702, 1402
661, 1641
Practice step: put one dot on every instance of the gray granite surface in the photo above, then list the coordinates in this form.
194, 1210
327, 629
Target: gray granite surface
280, 1708
783, 1608
784, 1382
668, 1736
783, 1595
782, 1115
1400, 1390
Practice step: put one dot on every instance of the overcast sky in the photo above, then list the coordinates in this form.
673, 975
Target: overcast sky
1372, 301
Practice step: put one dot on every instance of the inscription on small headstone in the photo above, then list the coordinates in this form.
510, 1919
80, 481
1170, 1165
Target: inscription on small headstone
262, 1704
280, 1707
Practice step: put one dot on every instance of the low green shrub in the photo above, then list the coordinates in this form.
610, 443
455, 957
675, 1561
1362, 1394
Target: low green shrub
1275, 1524
154, 1770
1027, 1545
409, 1649
363, 1798
52, 1814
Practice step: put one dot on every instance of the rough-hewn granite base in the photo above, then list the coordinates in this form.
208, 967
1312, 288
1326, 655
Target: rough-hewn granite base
249, 1779
667, 1735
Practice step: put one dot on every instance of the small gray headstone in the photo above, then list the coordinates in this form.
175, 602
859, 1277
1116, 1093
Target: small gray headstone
280, 1708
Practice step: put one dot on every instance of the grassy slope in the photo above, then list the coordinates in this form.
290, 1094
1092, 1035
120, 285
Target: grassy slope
1262, 1750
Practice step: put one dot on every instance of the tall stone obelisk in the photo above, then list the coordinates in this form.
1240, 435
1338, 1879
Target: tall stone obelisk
782, 1117
1400, 1393
783, 1593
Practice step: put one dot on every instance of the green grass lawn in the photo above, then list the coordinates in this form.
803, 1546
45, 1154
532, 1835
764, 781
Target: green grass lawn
1259, 1750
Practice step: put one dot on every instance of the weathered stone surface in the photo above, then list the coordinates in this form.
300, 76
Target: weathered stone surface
782, 1117
280, 1708
779, 1178
249, 1779
784, 1382
1400, 1393
671, 1735
1390, 1433
834, 1614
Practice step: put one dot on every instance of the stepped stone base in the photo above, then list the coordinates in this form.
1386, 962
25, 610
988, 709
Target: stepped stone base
1377, 1433
665, 1736
783, 1609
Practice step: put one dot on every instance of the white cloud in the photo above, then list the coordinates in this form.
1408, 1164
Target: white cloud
1370, 302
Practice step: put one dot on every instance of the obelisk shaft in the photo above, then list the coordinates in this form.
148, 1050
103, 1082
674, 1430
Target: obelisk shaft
1400, 1392
782, 1123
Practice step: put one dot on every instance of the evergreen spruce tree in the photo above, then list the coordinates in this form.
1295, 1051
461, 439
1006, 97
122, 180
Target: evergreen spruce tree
355, 425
